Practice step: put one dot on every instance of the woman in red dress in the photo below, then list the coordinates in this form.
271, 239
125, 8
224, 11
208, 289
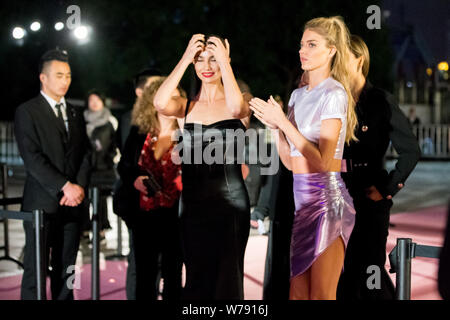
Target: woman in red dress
147, 169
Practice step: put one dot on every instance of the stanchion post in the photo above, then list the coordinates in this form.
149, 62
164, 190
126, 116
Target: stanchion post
95, 285
119, 236
403, 277
5, 220
41, 272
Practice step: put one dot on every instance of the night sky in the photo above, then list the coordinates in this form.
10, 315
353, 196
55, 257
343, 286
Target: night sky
431, 19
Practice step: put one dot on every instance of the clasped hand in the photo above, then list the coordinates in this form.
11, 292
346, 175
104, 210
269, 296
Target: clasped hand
73, 195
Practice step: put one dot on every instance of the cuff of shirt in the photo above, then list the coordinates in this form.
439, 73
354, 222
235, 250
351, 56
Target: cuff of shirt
65, 184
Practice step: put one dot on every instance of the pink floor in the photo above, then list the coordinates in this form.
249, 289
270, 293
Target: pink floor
424, 227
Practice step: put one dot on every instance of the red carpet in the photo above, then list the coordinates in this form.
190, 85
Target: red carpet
424, 227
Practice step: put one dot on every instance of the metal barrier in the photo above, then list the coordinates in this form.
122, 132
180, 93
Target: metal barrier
94, 195
9, 152
4, 192
434, 141
95, 265
37, 216
400, 260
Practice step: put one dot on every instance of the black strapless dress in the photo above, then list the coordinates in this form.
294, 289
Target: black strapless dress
215, 220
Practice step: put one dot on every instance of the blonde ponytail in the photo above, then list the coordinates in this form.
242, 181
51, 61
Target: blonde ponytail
336, 34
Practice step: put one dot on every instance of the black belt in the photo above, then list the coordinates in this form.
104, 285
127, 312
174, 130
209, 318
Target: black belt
355, 165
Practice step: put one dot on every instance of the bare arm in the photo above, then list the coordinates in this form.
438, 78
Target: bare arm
322, 155
283, 148
236, 103
164, 102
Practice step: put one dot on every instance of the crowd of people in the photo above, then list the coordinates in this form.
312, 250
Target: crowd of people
328, 203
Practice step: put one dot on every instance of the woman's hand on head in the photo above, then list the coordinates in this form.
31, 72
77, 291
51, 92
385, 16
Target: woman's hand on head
269, 113
220, 51
196, 45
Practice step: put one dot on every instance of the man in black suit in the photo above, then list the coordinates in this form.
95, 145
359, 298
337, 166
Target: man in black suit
380, 121
52, 141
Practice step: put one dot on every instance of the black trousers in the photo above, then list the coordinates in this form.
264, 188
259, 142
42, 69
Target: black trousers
131, 270
367, 247
102, 211
61, 241
156, 233
277, 266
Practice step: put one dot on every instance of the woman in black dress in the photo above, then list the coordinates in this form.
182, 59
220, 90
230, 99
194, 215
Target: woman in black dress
214, 205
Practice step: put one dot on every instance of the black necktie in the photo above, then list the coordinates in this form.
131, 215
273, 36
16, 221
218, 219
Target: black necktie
60, 116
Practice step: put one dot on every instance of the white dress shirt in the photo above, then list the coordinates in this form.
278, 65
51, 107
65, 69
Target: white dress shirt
63, 108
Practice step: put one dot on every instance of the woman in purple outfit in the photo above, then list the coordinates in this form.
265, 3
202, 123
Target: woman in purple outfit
310, 143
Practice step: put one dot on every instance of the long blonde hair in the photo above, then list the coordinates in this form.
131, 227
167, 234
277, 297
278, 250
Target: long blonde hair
336, 34
144, 114
359, 49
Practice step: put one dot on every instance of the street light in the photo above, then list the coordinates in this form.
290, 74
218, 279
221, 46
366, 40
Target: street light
81, 32
18, 33
35, 26
59, 26
443, 66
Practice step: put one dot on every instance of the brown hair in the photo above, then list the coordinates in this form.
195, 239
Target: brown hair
359, 49
336, 34
144, 114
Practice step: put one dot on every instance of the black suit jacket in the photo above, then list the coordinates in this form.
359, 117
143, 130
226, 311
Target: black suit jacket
126, 197
51, 156
380, 121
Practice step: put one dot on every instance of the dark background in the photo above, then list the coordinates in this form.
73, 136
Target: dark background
130, 35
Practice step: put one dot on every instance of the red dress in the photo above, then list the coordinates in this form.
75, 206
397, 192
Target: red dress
164, 171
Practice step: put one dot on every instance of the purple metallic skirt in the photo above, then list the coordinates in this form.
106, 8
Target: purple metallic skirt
323, 212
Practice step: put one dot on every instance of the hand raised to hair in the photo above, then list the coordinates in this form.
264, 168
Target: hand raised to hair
195, 45
220, 51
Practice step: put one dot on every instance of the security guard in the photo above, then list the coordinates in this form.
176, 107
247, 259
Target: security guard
380, 121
